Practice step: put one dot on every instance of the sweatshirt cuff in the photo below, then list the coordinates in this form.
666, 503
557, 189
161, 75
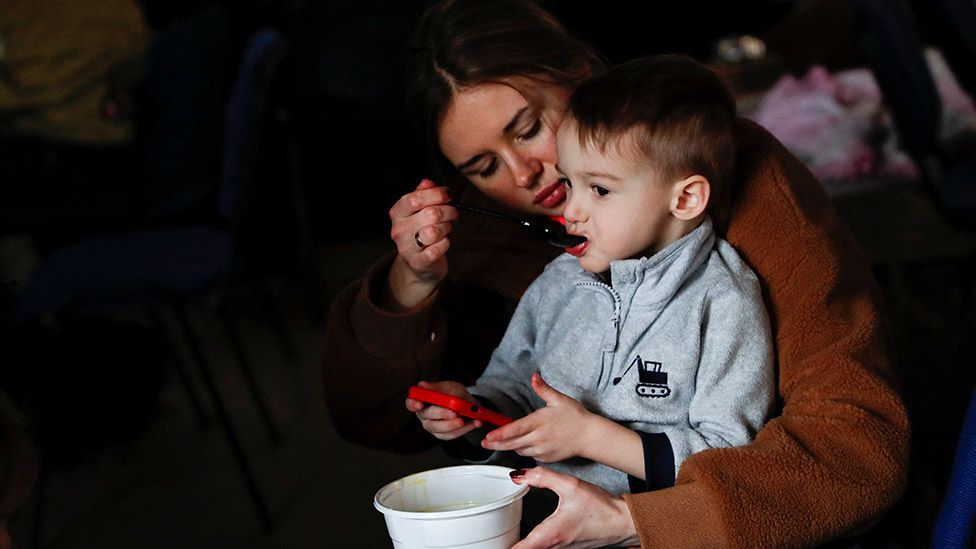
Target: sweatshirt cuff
658, 464
387, 334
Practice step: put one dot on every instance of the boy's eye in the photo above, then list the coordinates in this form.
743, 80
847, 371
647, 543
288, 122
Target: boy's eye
488, 171
566, 181
600, 190
533, 130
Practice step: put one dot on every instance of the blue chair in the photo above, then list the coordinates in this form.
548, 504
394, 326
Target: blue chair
164, 268
957, 517
180, 112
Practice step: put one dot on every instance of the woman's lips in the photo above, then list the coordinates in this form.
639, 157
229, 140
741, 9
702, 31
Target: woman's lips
551, 196
578, 249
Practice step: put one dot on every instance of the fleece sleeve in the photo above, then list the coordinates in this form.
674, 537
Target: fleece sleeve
19, 460
371, 356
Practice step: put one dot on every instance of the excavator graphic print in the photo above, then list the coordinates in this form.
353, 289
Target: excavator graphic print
653, 383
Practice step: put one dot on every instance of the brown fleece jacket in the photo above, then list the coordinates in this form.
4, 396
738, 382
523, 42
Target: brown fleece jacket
828, 466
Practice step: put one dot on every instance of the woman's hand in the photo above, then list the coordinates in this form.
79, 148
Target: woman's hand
553, 433
421, 222
441, 422
587, 515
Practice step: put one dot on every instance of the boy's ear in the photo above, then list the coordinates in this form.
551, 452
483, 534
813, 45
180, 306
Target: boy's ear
690, 198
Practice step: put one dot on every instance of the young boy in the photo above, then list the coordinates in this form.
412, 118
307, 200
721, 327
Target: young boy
648, 342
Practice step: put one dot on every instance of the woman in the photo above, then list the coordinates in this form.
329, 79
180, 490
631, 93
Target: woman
491, 81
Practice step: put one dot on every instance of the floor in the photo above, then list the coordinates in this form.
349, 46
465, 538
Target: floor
174, 482
171, 481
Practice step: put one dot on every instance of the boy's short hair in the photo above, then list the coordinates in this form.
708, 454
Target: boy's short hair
677, 113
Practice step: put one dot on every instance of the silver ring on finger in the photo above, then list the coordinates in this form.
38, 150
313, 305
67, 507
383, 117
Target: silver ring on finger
420, 243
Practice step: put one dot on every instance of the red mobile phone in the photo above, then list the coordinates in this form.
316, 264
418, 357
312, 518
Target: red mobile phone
459, 405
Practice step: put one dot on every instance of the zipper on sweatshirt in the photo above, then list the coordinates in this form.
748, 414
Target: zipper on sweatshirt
611, 331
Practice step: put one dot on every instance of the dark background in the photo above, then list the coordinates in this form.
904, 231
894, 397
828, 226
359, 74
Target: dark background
337, 126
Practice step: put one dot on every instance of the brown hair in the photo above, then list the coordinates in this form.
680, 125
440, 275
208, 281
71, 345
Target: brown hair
462, 43
682, 114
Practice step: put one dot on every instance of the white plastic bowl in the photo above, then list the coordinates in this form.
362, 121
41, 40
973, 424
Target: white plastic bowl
472, 506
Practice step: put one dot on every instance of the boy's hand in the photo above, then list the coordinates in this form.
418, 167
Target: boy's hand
441, 422
549, 434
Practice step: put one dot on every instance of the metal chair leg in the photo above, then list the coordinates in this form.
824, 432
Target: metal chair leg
224, 417
38, 504
271, 314
311, 277
203, 419
248, 372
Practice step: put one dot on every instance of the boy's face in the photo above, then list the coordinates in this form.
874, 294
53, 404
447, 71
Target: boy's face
614, 199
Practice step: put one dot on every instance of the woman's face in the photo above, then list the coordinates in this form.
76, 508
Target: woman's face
506, 145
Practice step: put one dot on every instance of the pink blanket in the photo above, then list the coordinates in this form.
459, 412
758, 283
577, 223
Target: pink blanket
838, 125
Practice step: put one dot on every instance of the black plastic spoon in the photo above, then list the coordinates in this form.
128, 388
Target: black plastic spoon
555, 234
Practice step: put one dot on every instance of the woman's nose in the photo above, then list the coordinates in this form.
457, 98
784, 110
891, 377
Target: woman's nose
526, 170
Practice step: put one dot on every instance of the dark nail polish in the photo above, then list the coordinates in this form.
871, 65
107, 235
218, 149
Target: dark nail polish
518, 473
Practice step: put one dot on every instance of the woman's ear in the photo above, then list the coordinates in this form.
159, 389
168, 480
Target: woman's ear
690, 197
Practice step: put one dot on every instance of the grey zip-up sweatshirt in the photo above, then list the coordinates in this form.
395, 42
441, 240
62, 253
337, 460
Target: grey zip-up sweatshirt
676, 347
